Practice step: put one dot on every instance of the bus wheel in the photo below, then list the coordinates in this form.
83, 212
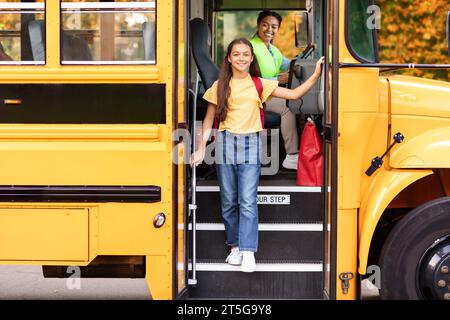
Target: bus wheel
415, 259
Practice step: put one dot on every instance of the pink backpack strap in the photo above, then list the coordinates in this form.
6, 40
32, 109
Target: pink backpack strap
259, 87
215, 128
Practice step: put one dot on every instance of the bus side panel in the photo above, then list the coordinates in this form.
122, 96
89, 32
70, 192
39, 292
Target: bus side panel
44, 234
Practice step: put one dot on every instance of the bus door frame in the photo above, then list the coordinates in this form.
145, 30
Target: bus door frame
331, 37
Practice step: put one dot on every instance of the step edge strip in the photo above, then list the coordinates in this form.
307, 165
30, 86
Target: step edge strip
260, 267
267, 189
314, 227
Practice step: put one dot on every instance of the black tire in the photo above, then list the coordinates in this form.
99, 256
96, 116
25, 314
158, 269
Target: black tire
406, 245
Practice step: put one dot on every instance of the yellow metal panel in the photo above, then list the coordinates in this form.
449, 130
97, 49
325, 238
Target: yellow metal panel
98, 155
52, 34
347, 251
383, 189
159, 276
80, 132
81, 74
426, 144
359, 117
359, 90
363, 137
417, 96
363, 124
44, 234
127, 229
84, 163
181, 229
344, 53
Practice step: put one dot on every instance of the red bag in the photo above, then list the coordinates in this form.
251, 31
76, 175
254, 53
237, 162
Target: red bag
310, 157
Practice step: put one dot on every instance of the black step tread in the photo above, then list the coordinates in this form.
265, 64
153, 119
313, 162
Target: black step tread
273, 245
274, 222
284, 177
258, 285
304, 206
266, 182
265, 261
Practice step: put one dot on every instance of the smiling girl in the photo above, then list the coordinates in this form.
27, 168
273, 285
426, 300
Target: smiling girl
235, 101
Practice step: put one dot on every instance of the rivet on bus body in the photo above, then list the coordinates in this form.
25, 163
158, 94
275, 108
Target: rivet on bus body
159, 220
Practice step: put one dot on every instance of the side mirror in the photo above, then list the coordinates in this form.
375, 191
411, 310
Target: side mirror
302, 30
448, 32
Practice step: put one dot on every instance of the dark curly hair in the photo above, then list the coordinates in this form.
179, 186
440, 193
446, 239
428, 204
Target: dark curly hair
267, 13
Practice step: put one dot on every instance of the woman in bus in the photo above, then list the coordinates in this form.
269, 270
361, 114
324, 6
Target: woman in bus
235, 101
274, 65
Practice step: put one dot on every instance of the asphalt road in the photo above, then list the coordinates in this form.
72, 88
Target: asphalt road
27, 283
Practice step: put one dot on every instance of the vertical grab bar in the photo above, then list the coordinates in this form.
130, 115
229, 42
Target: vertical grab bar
193, 205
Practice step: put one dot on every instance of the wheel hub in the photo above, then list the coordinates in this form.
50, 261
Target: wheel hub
434, 271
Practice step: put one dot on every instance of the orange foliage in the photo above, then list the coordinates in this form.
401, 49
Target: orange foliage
413, 31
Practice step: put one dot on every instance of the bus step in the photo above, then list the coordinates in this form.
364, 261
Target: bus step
275, 204
271, 280
276, 241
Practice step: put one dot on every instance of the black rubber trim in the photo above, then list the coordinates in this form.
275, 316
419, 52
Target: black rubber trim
395, 66
136, 194
334, 205
175, 100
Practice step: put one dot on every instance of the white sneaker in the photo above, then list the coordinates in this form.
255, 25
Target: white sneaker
291, 161
248, 261
235, 257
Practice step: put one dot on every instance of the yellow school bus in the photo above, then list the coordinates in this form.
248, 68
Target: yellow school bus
96, 95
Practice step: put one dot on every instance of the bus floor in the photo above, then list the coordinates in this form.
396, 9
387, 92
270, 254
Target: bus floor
23, 282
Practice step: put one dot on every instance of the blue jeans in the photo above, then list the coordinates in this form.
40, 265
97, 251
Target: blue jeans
238, 168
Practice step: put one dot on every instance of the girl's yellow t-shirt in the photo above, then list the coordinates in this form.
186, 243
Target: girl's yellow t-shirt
243, 114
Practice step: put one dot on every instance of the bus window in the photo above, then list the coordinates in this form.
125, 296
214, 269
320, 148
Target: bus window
22, 30
113, 32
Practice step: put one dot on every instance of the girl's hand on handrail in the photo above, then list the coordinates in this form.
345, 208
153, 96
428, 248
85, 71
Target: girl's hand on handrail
318, 70
197, 157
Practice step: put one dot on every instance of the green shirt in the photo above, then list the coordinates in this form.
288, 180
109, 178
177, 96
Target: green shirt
269, 63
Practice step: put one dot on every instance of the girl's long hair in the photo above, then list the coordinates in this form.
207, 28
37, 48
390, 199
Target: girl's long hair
226, 72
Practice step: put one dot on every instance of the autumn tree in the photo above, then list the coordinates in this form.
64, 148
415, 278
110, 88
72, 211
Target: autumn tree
413, 31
